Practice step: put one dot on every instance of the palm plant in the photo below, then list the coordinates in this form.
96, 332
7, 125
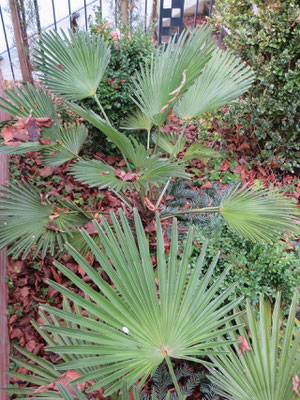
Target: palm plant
117, 335
209, 79
136, 324
263, 365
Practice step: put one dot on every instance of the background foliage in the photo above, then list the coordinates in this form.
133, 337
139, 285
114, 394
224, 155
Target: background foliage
257, 268
266, 37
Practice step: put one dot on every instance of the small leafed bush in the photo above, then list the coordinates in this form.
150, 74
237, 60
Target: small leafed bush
256, 268
267, 37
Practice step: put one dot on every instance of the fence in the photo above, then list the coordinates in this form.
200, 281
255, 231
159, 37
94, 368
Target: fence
170, 21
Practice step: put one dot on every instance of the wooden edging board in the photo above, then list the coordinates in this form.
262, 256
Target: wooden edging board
4, 339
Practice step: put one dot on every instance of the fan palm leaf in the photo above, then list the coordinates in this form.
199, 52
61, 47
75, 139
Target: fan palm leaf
69, 143
28, 223
26, 99
223, 79
259, 215
137, 121
167, 142
155, 172
198, 150
72, 65
135, 324
170, 72
261, 370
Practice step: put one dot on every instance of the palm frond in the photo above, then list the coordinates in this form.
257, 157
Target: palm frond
155, 171
131, 328
167, 141
72, 65
119, 139
26, 99
157, 82
27, 223
137, 121
69, 143
198, 150
262, 370
259, 215
223, 79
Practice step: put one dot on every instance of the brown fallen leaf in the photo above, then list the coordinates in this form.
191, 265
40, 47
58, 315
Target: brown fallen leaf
244, 146
243, 344
64, 380
149, 205
295, 385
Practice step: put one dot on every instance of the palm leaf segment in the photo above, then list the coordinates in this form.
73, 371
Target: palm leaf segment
72, 65
265, 371
26, 99
131, 329
223, 79
155, 84
66, 141
259, 215
26, 223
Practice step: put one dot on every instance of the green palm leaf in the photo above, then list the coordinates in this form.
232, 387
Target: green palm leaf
68, 145
157, 80
223, 79
132, 328
26, 223
168, 141
137, 121
155, 172
264, 372
198, 150
259, 215
72, 65
26, 99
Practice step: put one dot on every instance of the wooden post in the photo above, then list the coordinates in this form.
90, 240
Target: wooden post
22, 45
4, 339
124, 12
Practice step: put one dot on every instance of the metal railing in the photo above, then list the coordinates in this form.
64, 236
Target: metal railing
175, 22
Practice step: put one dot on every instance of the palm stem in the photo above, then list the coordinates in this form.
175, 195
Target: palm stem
175, 150
157, 140
123, 198
193, 211
162, 194
169, 363
148, 139
101, 108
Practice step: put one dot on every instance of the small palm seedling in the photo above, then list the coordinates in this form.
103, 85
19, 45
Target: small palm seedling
145, 317
264, 365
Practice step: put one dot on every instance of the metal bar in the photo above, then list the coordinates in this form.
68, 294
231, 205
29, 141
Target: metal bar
146, 10
85, 15
196, 13
70, 14
210, 7
54, 16
37, 16
7, 46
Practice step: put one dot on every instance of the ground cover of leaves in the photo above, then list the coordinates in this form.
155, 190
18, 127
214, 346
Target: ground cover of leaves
27, 279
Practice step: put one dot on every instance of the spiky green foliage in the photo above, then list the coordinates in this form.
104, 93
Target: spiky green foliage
131, 328
137, 121
259, 215
156, 172
72, 65
167, 142
223, 79
26, 99
264, 372
69, 143
198, 150
27, 222
157, 80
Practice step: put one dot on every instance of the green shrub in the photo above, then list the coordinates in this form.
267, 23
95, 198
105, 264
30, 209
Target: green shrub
128, 52
269, 41
256, 268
